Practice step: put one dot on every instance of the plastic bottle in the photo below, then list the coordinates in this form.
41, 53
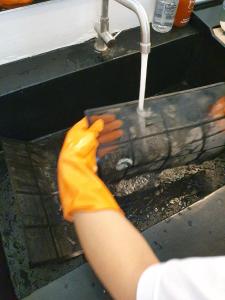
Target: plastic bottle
164, 14
184, 10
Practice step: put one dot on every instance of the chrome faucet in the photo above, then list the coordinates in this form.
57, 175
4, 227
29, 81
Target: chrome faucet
105, 39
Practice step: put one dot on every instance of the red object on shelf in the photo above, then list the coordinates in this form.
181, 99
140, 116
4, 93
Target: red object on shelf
184, 10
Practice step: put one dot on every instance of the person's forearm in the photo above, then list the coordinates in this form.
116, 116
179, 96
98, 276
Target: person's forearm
115, 249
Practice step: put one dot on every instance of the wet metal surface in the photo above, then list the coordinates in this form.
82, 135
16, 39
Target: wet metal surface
177, 129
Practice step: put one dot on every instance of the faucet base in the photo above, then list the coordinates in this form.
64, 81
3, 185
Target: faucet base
104, 40
99, 45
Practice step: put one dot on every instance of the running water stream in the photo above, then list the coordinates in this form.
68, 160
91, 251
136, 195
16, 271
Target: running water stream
144, 65
141, 114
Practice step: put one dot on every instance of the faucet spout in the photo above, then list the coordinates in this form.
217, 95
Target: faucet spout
105, 39
139, 10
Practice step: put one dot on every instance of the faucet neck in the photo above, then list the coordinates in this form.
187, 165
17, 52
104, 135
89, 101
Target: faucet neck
139, 10
105, 8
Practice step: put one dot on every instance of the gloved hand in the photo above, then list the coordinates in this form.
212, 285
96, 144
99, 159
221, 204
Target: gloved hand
13, 3
81, 190
217, 110
110, 133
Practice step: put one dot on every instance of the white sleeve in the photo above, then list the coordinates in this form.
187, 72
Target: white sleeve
184, 279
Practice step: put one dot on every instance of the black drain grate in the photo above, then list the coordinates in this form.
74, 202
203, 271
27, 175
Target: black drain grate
32, 171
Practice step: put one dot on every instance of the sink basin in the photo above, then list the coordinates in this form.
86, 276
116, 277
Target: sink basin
37, 112
28, 113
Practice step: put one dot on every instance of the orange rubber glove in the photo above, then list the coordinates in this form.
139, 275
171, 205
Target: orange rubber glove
13, 3
81, 190
217, 110
111, 132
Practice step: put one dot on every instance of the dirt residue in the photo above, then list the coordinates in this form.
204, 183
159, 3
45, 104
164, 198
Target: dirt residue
150, 198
